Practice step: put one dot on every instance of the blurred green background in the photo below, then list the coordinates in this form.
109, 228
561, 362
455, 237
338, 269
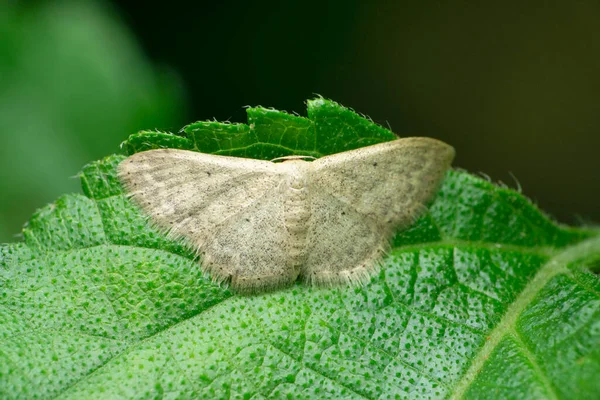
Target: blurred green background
514, 87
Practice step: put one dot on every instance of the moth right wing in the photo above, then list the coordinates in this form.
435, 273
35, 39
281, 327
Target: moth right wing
219, 205
363, 196
388, 182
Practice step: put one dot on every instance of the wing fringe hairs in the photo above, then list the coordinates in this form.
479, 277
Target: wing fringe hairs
358, 276
199, 256
362, 274
168, 232
258, 225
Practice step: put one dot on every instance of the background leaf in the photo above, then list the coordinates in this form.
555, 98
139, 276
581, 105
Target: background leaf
483, 297
73, 83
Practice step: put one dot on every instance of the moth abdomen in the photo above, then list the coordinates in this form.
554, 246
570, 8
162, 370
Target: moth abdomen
296, 208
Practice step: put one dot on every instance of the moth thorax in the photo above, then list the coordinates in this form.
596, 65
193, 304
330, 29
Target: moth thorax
297, 212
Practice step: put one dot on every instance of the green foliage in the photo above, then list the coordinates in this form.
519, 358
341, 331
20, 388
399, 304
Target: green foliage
72, 85
329, 128
484, 297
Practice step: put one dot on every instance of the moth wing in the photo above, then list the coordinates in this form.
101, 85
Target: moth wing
361, 198
251, 251
208, 200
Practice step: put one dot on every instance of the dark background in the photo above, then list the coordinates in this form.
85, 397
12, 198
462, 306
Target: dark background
514, 87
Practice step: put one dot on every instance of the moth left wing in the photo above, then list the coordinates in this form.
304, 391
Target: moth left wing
190, 194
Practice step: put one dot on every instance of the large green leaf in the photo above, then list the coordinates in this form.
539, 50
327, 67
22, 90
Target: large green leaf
484, 297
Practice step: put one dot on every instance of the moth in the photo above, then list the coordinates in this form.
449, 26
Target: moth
260, 225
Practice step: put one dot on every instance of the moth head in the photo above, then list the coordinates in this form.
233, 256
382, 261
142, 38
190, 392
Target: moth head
288, 158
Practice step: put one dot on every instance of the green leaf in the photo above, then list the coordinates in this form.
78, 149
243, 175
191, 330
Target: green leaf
73, 84
329, 128
484, 297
